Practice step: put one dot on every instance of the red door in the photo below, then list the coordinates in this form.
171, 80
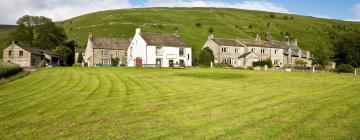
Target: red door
138, 61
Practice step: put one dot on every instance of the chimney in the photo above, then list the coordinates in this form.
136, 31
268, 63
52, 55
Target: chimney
137, 31
13, 42
258, 38
176, 33
211, 36
295, 43
90, 35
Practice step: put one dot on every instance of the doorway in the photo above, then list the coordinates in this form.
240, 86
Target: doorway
171, 63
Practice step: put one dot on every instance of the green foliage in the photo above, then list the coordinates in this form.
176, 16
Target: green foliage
206, 56
345, 68
250, 26
321, 55
347, 49
80, 58
300, 63
272, 15
115, 61
7, 70
67, 52
198, 24
222, 65
263, 63
286, 18
38, 31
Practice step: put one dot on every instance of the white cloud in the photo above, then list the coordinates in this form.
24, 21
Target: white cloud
11, 10
356, 10
250, 5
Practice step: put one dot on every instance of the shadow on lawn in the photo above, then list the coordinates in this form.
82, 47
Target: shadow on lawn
212, 75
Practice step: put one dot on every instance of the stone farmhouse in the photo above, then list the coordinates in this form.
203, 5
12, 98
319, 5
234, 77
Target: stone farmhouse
153, 49
25, 56
100, 51
242, 52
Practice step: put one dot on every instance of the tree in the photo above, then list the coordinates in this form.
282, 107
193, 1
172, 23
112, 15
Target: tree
347, 49
272, 15
80, 58
38, 31
67, 52
286, 18
198, 24
206, 56
321, 55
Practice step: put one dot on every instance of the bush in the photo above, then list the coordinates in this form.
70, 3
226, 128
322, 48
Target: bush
198, 24
262, 63
345, 68
7, 70
206, 56
250, 26
286, 18
272, 15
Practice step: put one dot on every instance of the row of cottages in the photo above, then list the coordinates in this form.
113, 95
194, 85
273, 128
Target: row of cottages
145, 49
25, 56
242, 53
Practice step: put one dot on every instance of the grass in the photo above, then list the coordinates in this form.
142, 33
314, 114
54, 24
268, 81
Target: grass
123, 103
227, 23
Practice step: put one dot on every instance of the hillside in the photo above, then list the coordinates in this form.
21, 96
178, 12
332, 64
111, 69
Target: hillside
123, 103
227, 23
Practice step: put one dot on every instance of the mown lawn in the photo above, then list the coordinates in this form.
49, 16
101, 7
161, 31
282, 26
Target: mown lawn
120, 103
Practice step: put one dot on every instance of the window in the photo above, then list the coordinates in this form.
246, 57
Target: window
275, 51
236, 50
224, 49
158, 51
117, 53
181, 52
188, 56
105, 52
262, 51
105, 61
21, 53
10, 53
252, 49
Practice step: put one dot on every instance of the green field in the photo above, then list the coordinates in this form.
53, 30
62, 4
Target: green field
123, 103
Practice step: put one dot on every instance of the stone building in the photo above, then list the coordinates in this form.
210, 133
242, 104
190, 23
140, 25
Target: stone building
100, 51
243, 52
25, 56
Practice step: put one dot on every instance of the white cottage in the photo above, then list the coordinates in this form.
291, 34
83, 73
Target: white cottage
154, 49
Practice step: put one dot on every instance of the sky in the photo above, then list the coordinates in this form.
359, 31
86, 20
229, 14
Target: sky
11, 10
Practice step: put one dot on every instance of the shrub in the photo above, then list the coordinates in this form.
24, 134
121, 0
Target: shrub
262, 63
272, 15
211, 30
115, 61
286, 18
198, 24
250, 26
80, 58
7, 70
206, 56
300, 63
345, 68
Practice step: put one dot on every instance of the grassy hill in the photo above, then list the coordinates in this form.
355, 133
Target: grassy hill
121, 103
227, 23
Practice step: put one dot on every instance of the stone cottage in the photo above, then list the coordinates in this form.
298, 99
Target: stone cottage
243, 52
100, 51
26, 56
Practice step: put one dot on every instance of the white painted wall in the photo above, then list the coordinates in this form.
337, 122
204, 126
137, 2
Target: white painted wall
89, 53
139, 48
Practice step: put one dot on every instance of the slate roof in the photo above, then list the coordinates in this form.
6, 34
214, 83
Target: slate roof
35, 50
110, 43
156, 39
227, 42
245, 54
265, 44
